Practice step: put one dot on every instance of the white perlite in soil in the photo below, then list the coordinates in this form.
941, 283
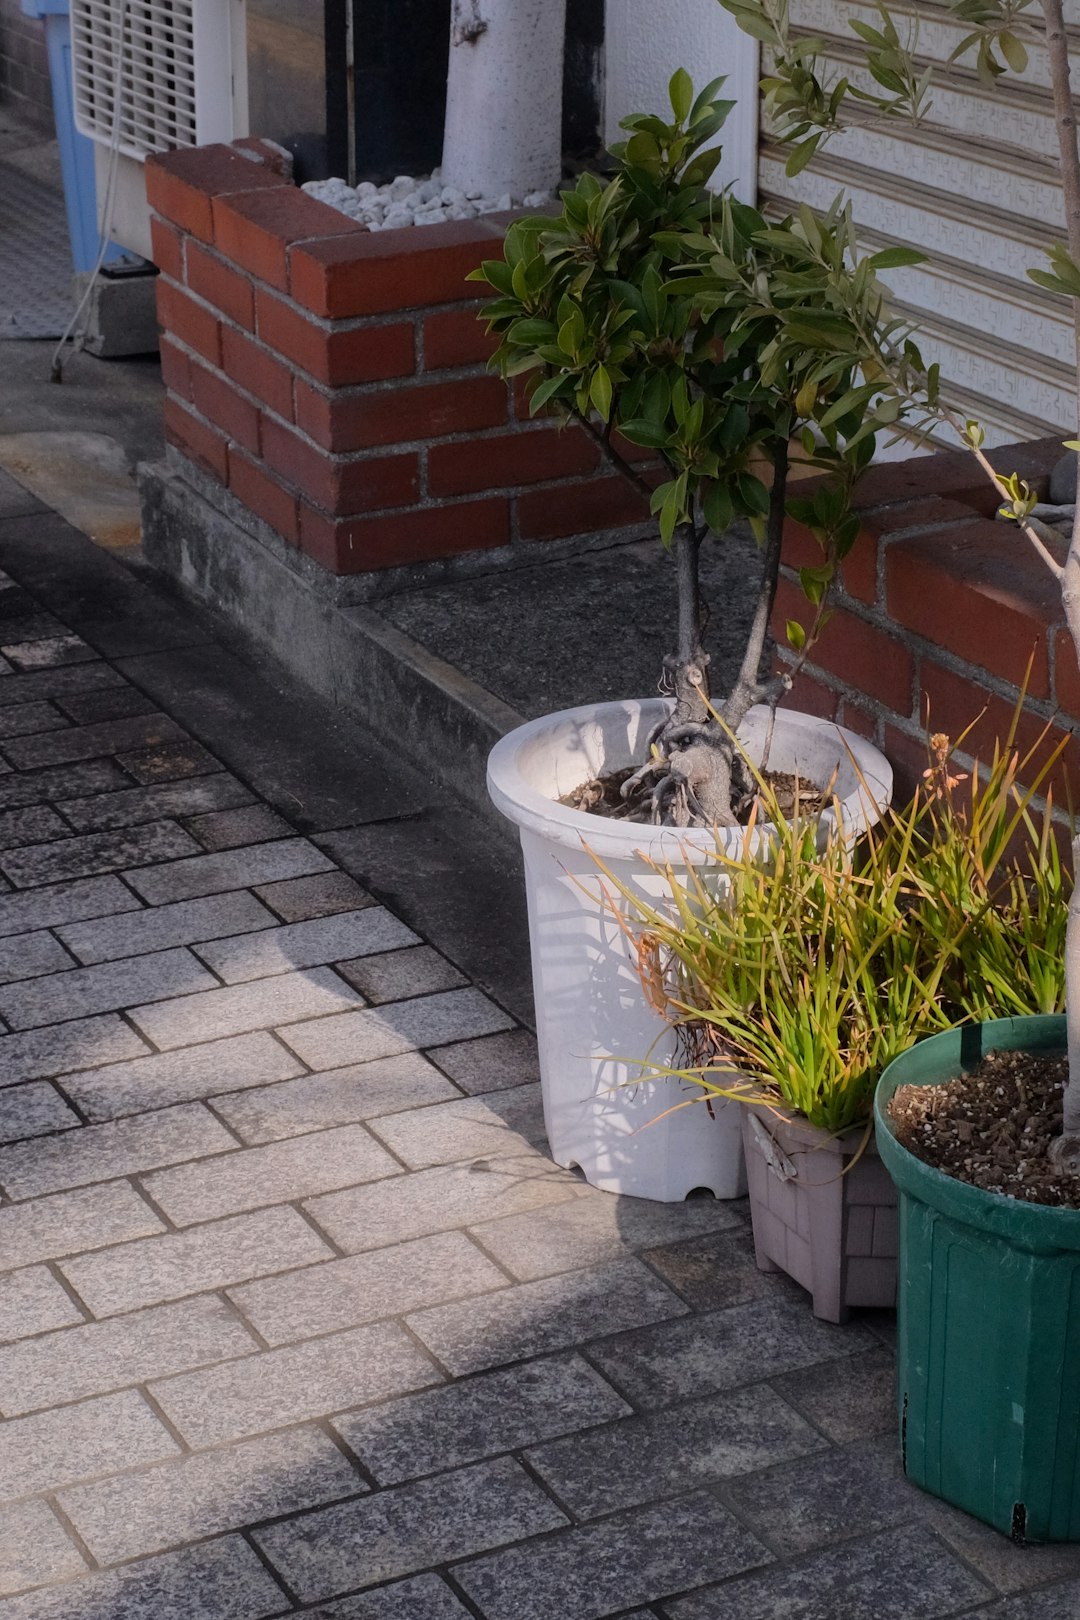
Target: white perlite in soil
408, 201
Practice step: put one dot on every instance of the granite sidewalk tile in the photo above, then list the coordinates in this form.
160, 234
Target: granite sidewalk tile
631, 1558
239, 1008
101, 1152
60, 782
36, 825
249, 1178
26, 956
33, 1109
228, 827
306, 944
60, 683
126, 807
162, 1078
318, 895
901, 1575
221, 1580
235, 869
159, 927
398, 975
384, 1282
292, 1385
32, 1301
314, 1102
89, 853
98, 1357
81, 992
469, 1128
479, 1417
88, 742
29, 718
64, 903
424, 1597
35, 1550
37, 1053
71, 1443
407, 1528
400, 1026
192, 1497
147, 1272
491, 1063
528, 1319
91, 1218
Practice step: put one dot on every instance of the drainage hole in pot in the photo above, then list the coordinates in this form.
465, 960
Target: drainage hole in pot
1019, 1523
700, 1192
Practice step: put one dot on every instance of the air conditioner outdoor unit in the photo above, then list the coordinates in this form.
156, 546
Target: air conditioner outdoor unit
149, 76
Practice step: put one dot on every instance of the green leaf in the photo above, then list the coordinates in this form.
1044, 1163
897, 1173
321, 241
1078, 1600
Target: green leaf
1013, 51
718, 508
544, 391
800, 156
600, 392
752, 493
640, 431
796, 635
681, 94
895, 257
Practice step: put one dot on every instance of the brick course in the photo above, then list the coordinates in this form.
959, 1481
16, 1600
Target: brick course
335, 379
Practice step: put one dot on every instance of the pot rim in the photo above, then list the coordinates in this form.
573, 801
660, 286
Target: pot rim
952, 1052
533, 811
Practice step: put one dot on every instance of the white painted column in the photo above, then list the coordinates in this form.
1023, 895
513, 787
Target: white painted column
648, 39
504, 96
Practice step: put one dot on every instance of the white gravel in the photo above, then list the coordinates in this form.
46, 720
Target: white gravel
411, 200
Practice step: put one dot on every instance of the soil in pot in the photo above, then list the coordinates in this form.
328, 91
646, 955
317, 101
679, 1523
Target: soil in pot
601, 796
992, 1127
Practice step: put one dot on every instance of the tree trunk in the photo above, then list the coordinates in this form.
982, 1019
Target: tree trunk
504, 96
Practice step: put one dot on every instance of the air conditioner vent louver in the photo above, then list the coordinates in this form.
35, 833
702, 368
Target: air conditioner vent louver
174, 72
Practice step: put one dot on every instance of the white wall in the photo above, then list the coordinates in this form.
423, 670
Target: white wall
648, 39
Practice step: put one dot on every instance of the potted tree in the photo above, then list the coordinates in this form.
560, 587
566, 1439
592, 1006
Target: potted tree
601, 308
989, 1420
792, 983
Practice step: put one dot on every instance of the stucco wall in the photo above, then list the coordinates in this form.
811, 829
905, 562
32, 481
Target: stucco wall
646, 42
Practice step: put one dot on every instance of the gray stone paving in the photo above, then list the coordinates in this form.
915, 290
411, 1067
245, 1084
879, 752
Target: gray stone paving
296, 1314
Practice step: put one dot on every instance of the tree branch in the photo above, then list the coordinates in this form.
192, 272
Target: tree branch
611, 455
748, 677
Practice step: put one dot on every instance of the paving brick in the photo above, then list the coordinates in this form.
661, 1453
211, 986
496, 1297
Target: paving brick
192, 1497
719, 1351
82, 991
30, 718
908, 1576
74, 1221
102, 811
26, 956
599, 1569
48, 652
408, 1528
242, 1007
156, 1269
93, 776
214, 874
594, 1228
339, 1097
32, 1301
714, 1271
398, 974
52, 1449
365, 1287
98, 1357
89, 742
641, 1459
32, 1110
40, 1052
531, 1318
1004, 1564
469, 1128
251, 1177
860, 1404
66, 902
228, 829
169, 762
36, 824
114, 703
401, 1026
221, 1580
479, 1417
61, 683
306, 944
425, 1597
101, 1152
818, 1500
181, 1076
433, 1200
291, 1385
491, 1063
34, 1548
296, 899
96, 852
158, 927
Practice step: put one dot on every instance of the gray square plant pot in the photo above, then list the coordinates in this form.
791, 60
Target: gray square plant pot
827, 1221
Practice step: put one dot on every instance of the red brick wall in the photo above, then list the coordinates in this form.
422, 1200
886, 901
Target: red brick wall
334, 378
940, 610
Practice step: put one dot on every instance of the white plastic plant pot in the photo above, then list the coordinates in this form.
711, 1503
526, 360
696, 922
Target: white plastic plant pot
598, 1037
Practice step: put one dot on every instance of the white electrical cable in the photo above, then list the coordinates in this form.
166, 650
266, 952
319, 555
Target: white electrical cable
119, 23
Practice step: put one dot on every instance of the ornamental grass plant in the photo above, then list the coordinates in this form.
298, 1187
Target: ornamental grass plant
794, 979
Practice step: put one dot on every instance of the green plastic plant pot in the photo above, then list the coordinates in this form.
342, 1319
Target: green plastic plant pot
989, 1318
